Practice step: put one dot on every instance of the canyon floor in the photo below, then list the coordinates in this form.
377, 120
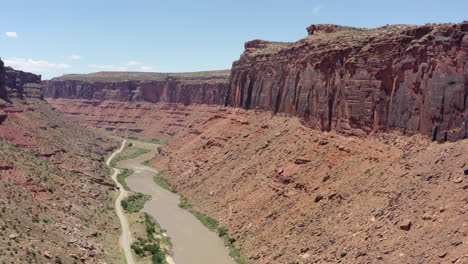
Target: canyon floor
291, 194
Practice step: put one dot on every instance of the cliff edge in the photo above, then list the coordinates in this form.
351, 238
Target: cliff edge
358, 81
208, 87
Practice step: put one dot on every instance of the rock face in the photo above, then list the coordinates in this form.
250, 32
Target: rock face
3, 93
184, 88
358, 81
19, 84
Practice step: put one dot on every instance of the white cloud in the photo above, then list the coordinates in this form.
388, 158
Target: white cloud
146, 68
316, 10
108, 67
30, 65
11, 34
75, 57
133, 63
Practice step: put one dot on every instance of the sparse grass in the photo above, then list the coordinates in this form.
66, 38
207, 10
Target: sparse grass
122, 175
135, 202
185, 205
124, 156
152, 141
149, 247
236, 254
214, 225
186, 77
155, 245
206, 220
162, 182
222, 231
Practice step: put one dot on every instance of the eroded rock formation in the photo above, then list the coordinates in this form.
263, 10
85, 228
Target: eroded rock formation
19, 84
3, 93
409, 78
184, 88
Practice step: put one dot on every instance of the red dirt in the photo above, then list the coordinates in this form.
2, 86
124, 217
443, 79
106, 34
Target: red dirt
291, 194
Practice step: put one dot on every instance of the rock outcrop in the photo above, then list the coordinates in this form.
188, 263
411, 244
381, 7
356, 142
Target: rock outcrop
3, 93
184, 88
358, 81
19, 84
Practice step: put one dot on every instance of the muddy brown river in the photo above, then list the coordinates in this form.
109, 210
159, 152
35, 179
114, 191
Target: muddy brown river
192, 242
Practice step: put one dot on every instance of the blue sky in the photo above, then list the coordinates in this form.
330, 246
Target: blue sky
52, 37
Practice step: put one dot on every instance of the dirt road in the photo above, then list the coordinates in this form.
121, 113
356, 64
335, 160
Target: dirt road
126, 236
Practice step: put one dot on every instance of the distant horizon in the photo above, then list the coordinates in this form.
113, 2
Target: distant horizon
54, 38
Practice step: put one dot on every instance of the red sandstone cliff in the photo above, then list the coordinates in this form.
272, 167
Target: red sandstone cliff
184, 88
3, 93
19, 84
409, 78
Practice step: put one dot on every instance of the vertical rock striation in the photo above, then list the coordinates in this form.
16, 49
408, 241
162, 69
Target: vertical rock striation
19, 84
3, 93
408, 78
184, 88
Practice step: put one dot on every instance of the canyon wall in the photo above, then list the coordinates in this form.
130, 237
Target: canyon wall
358, 81
19, 84
3, 93
292, 194
183, 88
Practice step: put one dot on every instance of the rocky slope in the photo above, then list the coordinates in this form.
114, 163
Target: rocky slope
358, 81
292, 194
55, 190
184, 88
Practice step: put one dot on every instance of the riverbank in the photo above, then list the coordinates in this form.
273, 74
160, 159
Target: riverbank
192, 242
125, 237
149, 243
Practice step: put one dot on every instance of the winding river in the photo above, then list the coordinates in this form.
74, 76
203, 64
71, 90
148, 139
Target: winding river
192, 242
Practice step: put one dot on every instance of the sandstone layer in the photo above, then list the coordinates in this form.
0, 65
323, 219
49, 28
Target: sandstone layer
183, 88
20, 84
3, 93
358, 81
292, 194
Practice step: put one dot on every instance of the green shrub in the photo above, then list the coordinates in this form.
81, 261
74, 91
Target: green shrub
134, 202
185, 205
213, 225
221, 231
137, 249
121, 177
124, 156
152, 141
158, 179
152, 248
207, 221
159, 258
150, 226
